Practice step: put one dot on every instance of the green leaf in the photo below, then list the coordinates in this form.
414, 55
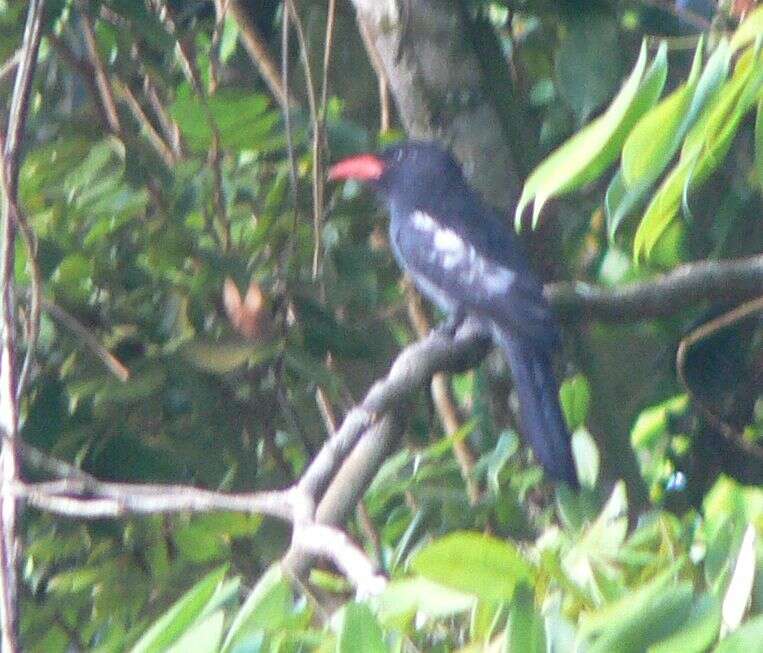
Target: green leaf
643, 617
739, 590
525, 630
656, 137
203, 637
652, 422
229, 39
600, 542
704, 149
477, 564
593, 149
242, 119
266, 608
96, 161
586, 455
358, 630
575, 397
402, 599
745, 640
750, 29
221, 356
181, 616
699, 630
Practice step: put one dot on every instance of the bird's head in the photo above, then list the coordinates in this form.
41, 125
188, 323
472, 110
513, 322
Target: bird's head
406, 169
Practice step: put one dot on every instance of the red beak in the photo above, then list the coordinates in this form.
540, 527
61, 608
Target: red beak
363, 167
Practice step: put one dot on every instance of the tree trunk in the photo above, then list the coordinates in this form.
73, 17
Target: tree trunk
439, 89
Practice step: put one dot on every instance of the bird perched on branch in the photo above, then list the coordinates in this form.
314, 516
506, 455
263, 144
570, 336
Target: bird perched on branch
461, 255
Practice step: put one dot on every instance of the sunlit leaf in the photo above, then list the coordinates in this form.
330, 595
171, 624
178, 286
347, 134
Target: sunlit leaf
473, 563
575, 397
593, 149
525, 630
750, 29
358, 630
266, 609
179, 618
698, 632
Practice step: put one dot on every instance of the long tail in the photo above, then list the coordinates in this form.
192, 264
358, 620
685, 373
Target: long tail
540, 413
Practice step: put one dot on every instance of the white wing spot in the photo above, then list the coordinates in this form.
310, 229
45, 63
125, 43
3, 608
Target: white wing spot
423, 221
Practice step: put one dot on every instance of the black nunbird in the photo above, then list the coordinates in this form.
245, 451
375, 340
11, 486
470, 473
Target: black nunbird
461, 255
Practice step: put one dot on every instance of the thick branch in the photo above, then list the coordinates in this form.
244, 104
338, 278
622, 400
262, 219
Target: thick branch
688, 285
436, 79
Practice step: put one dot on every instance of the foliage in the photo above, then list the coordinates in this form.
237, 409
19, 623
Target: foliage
192, 262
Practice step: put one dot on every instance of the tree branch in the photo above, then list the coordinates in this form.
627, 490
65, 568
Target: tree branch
9, 466
688, 285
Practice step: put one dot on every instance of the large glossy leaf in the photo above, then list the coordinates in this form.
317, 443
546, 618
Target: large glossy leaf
242, 119
525, 630
745, 640
477, 564
265, 610
358, 630
593, 149
705, 147
698, 632
202, 637
658, 135
178, 619
403, 599
640, 618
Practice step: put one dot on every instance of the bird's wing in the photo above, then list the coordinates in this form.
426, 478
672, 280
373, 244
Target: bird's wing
444, 264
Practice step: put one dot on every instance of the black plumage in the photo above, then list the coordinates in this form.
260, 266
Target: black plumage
461, 255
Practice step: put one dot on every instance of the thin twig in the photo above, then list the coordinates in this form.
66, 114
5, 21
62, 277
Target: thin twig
317, 181
111, 362
214, 158
9, 464
165, 152
44, 462
35, 296
9, 67
101, 75
258, 52
381, 75
700, 333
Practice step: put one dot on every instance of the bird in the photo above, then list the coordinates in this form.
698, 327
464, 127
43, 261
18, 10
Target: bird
461, 255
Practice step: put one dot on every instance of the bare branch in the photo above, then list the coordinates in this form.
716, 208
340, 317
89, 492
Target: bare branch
113, 364
687, 285
101, 76
9, 465
44, 462
413, 366
166, 153
81, 497
258, 52
334, 544
707, 329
